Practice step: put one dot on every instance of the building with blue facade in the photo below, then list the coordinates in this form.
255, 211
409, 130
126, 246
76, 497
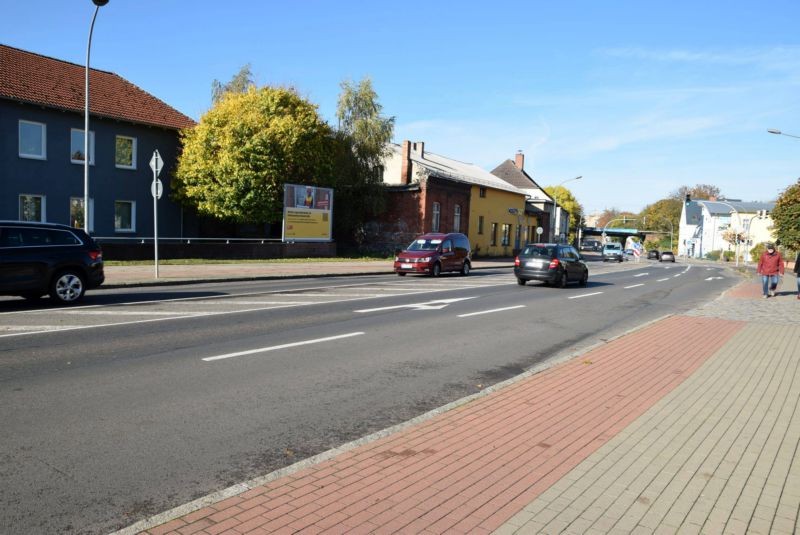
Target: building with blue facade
42, 149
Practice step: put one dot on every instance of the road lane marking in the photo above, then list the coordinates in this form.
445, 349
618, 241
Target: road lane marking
490, 311
282, 346
633, 286
662, 280
584, 295
428, 305
641, 274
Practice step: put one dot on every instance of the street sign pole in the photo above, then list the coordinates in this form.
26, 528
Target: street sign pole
156, 163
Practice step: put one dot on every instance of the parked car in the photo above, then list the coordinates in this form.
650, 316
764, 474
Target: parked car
434, 254
550, 263
653, 255
43, 258
667, 256
612, 251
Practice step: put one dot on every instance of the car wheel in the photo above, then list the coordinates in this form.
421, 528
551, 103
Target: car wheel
562, 281
585, 278
67, 287
465, 269
401, 274
521, 282
437, 270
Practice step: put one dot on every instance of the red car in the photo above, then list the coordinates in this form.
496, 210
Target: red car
435, 253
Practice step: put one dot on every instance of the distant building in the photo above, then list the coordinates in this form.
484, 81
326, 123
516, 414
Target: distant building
704, 222
42, 148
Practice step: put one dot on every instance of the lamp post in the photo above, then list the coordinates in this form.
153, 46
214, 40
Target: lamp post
778, 132
738, 220
556, 211
98, 4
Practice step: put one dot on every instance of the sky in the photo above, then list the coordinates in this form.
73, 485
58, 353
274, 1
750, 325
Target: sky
637, 97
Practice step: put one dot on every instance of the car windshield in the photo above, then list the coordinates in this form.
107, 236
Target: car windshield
613, 246
424, 245
542, 251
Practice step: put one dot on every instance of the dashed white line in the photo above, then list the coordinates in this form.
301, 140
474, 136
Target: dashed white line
662, 280
584, 295
490, 311
633, 286
282, 346
641, 274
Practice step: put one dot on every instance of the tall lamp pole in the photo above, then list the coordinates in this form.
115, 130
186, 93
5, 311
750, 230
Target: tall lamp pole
98, 4
778, 132
556, 212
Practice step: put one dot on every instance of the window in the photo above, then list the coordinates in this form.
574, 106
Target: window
76, 213
482, 193
437, 212
506, 234
493, 237
76, 142
32, 208
32, 140
125, 153
124, 216
480, 224
457, 218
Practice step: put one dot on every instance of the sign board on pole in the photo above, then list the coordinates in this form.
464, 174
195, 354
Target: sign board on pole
156, 163
539, 231
157, 188
307, 213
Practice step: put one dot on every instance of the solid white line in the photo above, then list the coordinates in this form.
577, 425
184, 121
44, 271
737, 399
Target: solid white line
584, 295
282, 346
662, 280
489, 311
634, 286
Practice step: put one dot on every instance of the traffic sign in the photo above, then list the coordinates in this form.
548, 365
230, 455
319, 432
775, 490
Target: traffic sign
157, 188
156, 163
539, 230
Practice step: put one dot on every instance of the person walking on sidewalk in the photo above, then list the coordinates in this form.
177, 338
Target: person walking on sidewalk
770, 267
797, 273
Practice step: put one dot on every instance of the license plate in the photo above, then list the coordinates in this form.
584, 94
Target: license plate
406, 266
535, 263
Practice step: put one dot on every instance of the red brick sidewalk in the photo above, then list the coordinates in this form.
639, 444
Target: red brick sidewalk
471, 468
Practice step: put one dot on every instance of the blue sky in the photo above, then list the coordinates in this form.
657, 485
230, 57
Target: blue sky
639, 97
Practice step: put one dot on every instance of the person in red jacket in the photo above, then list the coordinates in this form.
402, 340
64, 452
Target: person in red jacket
770, 267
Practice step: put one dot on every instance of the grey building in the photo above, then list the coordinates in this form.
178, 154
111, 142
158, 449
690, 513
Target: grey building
42, 148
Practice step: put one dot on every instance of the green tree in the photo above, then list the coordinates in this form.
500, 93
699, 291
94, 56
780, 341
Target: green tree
362, 142
700, 191
662, 216
568, 202
786, 216
240, 83
236, 160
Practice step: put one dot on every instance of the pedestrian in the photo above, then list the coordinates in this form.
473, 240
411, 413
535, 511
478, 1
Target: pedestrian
770, 267
797, 273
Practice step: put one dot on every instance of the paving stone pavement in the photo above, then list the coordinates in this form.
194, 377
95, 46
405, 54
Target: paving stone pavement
687, 425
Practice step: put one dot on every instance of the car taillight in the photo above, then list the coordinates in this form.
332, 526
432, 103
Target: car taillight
96, 255
554, 263
516, 261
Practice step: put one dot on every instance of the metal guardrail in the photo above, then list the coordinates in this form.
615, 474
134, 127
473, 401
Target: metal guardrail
140, 240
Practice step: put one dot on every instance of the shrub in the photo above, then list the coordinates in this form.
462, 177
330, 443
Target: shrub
728, 255
713, 255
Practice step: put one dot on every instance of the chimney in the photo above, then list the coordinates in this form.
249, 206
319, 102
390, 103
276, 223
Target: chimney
519, 160
405, 163
419, 148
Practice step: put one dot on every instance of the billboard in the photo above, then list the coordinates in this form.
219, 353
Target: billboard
307, 213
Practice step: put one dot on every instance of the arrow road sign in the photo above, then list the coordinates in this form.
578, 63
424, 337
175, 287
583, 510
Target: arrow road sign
430, 305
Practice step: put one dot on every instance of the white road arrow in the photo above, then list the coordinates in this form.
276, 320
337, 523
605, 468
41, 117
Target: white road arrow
430, 305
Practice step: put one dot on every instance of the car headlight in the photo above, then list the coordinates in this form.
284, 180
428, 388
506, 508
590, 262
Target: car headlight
424, 260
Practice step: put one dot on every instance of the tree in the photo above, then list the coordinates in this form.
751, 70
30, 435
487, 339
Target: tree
568, 202
362, 144
786, 217
240, 83
700, 191
236, 160
663, 216
608, 215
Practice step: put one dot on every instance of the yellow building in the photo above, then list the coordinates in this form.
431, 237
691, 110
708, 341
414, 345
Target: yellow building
498, 224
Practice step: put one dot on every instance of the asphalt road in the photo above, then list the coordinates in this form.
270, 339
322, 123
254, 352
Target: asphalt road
140, 401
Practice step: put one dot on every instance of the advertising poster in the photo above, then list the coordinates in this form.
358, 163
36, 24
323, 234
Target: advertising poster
307, 213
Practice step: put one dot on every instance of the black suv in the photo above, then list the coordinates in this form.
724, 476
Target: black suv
44, 258
551, 263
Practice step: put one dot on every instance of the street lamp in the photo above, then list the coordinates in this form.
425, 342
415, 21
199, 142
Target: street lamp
778, 132
98, 4
556, 212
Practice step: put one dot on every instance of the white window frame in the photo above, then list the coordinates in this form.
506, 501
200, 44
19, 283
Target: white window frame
91, 212
133, 153
91, 146
44, 206
43, 155
436, 220
133, 216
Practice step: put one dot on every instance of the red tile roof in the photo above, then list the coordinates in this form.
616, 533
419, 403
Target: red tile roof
37, 79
